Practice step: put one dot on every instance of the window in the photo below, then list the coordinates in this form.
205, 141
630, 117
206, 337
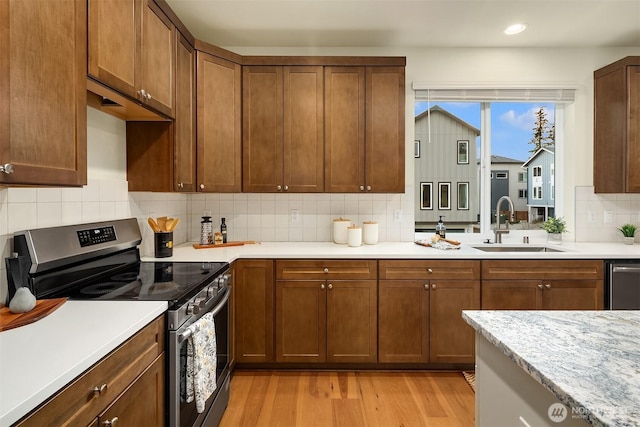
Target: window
537, 193
416, 148
502, 175
463, 152
426, 197
537, 171
444, 190
463, 195
502, 126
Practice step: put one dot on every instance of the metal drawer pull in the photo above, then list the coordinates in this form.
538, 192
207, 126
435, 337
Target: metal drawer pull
433, 286
548, 286
97, 391
426, 286
326, 270
322, 286
7, 168
429, 270
540, 287
330, 286
618, 269
111, 422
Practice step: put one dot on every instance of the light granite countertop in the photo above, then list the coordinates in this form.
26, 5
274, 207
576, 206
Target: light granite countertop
590, 360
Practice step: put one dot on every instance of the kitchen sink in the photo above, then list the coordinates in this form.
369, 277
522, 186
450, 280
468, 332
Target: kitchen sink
527, 248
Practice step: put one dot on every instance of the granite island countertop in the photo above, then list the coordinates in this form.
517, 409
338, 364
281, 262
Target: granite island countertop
590, 360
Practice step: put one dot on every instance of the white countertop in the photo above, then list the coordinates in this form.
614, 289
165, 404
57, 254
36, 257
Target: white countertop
590, 360
38, 359
399, 250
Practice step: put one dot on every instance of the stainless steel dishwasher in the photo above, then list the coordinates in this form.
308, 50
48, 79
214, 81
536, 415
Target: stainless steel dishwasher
623, 285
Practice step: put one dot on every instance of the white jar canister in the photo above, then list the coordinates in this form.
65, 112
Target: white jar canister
354, 236
340, 226
370, 232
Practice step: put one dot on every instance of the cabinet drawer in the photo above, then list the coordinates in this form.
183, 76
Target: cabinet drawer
78, 404
542, 269
429, 269
326, 269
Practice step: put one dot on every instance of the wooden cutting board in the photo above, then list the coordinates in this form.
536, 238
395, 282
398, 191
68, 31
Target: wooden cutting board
43, 308
224, 245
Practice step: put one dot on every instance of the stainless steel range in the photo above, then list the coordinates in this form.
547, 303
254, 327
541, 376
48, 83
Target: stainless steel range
101, 261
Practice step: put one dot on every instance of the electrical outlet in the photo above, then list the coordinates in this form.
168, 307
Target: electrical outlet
608, 216
295, 215
591, 216
397, 215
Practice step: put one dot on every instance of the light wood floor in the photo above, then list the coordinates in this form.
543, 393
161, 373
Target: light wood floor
349, 399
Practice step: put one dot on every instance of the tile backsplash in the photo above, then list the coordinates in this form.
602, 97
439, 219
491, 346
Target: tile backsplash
599, 215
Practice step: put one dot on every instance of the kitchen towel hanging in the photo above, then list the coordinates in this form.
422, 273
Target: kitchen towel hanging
201, 361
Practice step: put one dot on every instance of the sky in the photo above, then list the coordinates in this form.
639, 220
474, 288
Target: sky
512, 123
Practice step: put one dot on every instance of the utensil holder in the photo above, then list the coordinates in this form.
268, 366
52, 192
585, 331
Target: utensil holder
163, 244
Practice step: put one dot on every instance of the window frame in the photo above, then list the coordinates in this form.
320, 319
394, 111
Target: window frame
462, 143
441, 186
423, 186
465, 184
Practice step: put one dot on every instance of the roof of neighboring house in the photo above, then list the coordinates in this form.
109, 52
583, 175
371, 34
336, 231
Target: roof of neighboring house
502, 159
549, 149
438, 109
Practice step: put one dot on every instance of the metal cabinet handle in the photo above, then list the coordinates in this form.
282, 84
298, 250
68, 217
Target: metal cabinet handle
279, 187
540, 287
330, 286
111, 422
362, 188
429, 270
548, 286
426, 286
7, 168
97, 391
202, 186
142, 93
368, 188
433, 286
286, 188
148, 96
322, 286
326, 270
180, 185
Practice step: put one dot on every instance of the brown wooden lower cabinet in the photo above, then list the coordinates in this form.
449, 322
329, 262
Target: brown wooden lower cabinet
254, 292
128, 384
543, 285
330, 321
420, 320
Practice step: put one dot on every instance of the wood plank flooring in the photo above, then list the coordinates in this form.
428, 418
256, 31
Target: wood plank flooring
349, 399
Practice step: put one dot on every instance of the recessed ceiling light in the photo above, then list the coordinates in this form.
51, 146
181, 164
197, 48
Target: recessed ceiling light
515, 29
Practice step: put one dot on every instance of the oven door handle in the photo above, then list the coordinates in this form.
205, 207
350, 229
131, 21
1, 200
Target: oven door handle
187, 333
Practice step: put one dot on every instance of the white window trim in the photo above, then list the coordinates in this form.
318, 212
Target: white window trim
441, 185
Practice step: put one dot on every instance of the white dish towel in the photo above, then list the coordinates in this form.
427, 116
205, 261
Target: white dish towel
201, 361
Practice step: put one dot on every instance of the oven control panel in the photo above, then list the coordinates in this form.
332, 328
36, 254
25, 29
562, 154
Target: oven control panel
96, 236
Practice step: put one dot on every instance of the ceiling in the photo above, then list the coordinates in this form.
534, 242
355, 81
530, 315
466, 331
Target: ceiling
411, 23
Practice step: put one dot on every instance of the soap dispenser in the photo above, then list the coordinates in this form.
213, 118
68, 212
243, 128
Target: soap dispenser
441, 230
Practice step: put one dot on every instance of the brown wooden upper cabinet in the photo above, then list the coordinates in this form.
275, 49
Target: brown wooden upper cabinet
219, 125
132, 50
282, 129
616, 148
43, 115
184, 151
364, 129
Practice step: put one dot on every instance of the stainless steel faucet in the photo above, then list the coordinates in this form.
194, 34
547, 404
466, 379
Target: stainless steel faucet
497, 231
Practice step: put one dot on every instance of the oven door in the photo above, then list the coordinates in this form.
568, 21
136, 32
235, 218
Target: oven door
181, 413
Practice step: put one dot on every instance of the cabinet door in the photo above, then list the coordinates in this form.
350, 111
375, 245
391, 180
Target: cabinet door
184, 152
452, 340
573, 295
384, 141
511, 294
142, 403
633, 129
254, 311
219, 125
43, 97
352, 329
157, 58
344, 129
403, 321
301, 321
114, 43
262, 129
303, 169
